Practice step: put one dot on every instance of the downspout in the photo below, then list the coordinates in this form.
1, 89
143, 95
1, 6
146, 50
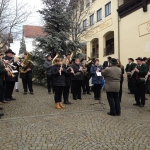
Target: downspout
118, 32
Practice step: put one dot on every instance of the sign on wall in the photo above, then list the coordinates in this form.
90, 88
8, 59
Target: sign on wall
144, 29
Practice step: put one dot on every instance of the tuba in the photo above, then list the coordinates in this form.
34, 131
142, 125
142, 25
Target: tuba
26, 64
72, 55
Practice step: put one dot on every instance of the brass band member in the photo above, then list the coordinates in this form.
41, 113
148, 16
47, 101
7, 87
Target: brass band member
77, 79
96, 79
48, 66
139, 73
10, 80
58, 74
121, 81
27, 78
107, 63
129, 67
69, 71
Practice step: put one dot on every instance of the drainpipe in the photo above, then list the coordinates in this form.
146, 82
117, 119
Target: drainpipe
118, 33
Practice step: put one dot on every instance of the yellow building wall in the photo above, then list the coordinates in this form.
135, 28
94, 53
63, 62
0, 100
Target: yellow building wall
101, 28
135, 35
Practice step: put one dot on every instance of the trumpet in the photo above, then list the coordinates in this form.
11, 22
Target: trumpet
11, 71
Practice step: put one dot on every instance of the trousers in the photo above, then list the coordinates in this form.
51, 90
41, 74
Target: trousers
2, 92
97, 91
114, 103
76, 88
9, 89
139, 93
27, 83
66, 93
58, 93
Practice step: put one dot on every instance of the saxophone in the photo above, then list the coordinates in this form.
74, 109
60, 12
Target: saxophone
26, 64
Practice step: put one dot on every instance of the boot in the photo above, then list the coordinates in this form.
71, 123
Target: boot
61, 105
57, 106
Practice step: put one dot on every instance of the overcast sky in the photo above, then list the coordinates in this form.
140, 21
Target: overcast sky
33, 19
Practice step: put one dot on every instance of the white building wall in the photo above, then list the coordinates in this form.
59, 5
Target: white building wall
29, 44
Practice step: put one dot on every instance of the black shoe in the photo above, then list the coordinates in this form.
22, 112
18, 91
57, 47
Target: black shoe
31, 93
111, 114
146, 98
74, 98
17, 90
12, 98
8, 99
80, 98
119, 114
141, 105
1, 108
67, 103
25, 93
130, 93
98, 99
1, 114
49, 92
136, 104
89, 93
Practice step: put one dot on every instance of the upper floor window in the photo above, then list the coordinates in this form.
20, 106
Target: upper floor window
93, 1
108, 9
91, 20
99, 15
84, 24
87, 3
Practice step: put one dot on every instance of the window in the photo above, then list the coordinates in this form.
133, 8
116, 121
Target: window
108, 9
93, 1
84, 24
99, 15
91, 20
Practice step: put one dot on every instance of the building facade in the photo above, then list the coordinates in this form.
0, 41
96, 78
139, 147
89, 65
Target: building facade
116, 28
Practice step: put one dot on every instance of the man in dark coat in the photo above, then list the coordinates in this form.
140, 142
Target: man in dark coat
107, 63
112, 86
27, 79
129, 67
10, 80
48, 66
139, 74
77, 79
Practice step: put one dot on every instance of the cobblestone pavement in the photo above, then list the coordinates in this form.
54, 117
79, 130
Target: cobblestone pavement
32, 123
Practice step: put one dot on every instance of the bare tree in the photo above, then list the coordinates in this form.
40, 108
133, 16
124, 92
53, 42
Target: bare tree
12, 15
80, 10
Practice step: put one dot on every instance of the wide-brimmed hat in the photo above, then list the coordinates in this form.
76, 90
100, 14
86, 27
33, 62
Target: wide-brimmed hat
144, 58
139, 58
113, 61
131, 59
9, 51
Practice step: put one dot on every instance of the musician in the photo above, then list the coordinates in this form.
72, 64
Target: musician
27, 78
59, 82
112, 86
107, 63
96, 79
3, 73
121, 81
139, 73
77, 79
10, 80
129, 67
48, 66
69, 71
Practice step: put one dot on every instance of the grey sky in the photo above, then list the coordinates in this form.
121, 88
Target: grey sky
33, 19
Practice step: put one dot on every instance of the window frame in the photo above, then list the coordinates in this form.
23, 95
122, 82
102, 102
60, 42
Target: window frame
109, 5
97, 14
90, 20
84, 24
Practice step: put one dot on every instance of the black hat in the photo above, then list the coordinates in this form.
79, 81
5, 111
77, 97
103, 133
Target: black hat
144, 58
113, 61
109, 58
131, 59
48, 55
139, 58
9, 51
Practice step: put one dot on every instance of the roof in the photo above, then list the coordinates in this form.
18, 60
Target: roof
33, 31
